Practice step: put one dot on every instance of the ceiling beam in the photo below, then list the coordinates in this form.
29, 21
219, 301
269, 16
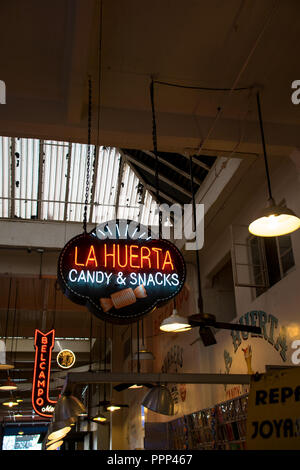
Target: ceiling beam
149, 187
73, 379
173, 167
161, 177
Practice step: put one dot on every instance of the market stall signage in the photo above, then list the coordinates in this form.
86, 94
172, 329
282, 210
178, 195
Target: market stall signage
65, 359
273, 421
118, 275
43, 343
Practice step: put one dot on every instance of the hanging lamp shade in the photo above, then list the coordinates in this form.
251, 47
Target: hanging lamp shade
159, 400
274, 221
6, 366
58, 430
10, 403
68, 407
175, 323
8, 385
143, 354
99, 418
55, 445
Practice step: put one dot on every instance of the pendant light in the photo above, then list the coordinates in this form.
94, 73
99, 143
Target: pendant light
99, 417
7, 366
159, 400
55, 445
10, 403
58, 430
174, 319
144, 354
9, 385
274, 220
175, 323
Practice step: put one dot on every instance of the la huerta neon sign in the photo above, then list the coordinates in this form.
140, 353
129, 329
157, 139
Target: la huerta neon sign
118, 275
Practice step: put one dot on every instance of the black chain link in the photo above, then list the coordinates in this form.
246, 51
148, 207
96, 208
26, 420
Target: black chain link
88, 158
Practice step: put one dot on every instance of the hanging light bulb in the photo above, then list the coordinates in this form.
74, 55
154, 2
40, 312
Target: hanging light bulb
274, 220
175, 323
8, 385
21, 432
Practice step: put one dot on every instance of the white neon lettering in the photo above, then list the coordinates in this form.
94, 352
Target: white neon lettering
70, 275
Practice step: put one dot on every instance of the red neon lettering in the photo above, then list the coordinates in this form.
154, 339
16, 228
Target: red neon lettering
119, 257
113, 254
145, 257
91, 256
40, 390
157, 250
133, 256
168, 260
76, 262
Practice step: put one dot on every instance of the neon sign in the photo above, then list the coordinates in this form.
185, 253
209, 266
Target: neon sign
43, 344
120, 276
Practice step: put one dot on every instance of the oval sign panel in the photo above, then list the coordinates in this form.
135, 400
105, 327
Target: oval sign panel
119, 271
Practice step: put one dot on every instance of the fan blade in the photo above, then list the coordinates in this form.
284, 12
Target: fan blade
121, 387
207, 336
238, 327
196, 340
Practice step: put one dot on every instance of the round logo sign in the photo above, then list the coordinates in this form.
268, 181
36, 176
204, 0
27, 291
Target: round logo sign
120, 271
65, 359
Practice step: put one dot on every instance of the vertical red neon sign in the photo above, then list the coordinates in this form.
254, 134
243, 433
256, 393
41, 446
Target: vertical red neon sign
43, 344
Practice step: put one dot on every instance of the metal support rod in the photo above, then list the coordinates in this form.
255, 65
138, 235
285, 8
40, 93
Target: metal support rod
264, 145
200, 299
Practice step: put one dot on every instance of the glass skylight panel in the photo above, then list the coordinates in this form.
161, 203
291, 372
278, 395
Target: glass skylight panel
55, 161
5, 179
55, 172
77, 183
26, 177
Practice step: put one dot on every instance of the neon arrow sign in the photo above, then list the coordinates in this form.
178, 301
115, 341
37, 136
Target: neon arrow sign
43, 343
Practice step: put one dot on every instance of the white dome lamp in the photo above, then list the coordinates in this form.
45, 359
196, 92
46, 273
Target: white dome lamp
274, 220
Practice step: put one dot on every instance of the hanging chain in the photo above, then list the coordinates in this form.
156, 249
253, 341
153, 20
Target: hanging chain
154, 140
88, 158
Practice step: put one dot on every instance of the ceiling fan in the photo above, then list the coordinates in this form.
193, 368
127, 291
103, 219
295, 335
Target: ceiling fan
206, 321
